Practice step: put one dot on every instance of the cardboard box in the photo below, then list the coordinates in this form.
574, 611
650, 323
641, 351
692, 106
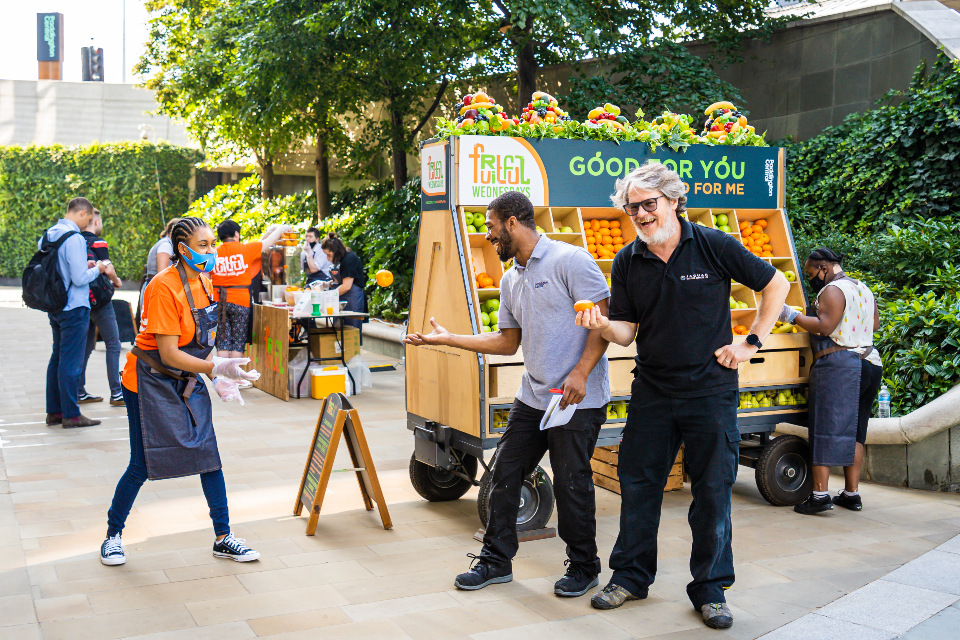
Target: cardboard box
326, 344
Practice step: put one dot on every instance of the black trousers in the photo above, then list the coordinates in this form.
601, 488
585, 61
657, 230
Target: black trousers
519, 451
656, 426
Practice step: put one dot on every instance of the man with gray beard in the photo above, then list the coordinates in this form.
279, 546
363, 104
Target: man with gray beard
670, 294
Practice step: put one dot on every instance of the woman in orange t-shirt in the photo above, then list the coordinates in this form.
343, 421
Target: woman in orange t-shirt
168, 409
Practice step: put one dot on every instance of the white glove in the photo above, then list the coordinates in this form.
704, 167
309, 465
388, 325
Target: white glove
230, 368
227, 389
788, 314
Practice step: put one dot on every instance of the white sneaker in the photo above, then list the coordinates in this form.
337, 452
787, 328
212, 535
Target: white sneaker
111, 551
244, 384
235, 549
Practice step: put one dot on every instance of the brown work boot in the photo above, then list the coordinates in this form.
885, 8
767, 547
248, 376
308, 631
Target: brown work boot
54, 418
79, 421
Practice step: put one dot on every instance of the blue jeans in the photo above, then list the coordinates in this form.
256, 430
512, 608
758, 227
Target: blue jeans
104, 320
656, 426
214, 489
66, 360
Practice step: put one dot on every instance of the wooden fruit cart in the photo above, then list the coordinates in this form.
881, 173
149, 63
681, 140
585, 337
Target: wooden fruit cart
458, 401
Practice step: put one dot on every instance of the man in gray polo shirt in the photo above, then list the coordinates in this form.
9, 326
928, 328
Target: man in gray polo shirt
536, 304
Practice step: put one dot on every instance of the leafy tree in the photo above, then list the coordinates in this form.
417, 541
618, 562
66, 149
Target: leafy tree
195, 62
403, 55
538, 32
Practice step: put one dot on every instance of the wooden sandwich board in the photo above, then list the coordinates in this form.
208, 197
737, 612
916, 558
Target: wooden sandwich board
338, 418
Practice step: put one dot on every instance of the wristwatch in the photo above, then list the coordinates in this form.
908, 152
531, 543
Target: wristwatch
754, 341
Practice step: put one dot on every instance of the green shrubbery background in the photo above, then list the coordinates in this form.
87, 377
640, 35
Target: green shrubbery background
36, 183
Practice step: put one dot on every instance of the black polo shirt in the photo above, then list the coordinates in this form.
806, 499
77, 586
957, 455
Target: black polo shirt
682, 308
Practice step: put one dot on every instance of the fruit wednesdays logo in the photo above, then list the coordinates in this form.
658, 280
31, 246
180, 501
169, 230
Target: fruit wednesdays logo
433, 176
489, 166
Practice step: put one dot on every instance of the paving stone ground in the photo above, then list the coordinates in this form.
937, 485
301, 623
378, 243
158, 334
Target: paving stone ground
355, 580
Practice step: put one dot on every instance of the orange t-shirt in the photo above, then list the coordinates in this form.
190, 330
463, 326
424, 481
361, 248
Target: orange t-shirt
165, 311
236, 264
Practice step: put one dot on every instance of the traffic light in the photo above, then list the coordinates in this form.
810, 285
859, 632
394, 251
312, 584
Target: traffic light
91, 59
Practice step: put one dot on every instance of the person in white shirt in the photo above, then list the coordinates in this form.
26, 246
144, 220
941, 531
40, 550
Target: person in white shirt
313, 260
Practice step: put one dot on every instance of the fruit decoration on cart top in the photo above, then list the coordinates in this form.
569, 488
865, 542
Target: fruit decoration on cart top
543, 118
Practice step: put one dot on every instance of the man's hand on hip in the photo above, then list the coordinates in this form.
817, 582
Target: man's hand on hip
733, 354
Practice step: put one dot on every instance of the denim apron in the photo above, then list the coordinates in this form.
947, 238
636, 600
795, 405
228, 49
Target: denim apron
354, 297
175, 410
834, 404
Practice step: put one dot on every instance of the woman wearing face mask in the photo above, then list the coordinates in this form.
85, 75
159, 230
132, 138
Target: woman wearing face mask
348, 272
168, 408
844, 379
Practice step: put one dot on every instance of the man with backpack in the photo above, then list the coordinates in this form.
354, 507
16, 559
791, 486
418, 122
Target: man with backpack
57, 281
103, 319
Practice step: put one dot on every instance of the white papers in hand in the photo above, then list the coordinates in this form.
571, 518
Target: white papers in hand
554, 415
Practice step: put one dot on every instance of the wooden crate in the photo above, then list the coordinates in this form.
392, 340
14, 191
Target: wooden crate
604, 465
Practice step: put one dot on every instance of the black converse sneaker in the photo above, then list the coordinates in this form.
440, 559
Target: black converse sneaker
111, 551
813, 505
576, 582
235, 549
483, 573
844, 499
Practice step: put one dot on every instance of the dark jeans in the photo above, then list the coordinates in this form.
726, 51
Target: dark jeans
214, 489
655, 428
519, 451
66, 360
104, 320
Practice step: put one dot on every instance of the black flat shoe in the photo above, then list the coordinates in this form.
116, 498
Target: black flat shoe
814, 505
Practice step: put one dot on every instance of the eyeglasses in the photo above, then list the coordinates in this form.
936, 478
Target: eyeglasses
649, 205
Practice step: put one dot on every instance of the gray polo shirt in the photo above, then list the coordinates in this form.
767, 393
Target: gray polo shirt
538, 299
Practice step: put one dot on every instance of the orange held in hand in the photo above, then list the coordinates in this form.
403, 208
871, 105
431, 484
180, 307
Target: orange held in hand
583, 305
384, 278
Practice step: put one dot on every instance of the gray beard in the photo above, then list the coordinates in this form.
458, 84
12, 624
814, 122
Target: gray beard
660, 236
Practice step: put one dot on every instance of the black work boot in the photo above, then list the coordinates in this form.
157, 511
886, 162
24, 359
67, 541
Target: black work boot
576, 581
814, 505
482, 573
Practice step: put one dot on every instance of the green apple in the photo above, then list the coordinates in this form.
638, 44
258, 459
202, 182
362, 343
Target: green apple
566, 230
494, 317
482, 229
722, 220
540, 229
471, 228
485, 319
469, 217
492, 304
733, 303
724, 227
714, 218
495, 327
486, 329
790, 275
743, 305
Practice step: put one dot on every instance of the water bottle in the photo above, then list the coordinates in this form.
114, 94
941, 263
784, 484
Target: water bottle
883, 402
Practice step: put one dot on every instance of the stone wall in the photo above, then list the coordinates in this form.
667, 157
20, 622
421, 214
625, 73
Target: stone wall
932, 464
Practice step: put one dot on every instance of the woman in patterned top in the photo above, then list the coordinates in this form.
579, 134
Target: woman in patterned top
844, 379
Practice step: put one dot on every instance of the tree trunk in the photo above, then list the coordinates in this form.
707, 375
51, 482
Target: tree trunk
266, 180
322, 168
398, 154
527, 69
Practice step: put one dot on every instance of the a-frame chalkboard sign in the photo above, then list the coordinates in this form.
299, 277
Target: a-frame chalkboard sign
338, 417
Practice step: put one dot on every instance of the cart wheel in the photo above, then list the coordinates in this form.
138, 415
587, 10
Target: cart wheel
536, 500
783, 471
439, 485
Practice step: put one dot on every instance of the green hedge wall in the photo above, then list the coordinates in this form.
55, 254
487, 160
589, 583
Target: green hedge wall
37, 182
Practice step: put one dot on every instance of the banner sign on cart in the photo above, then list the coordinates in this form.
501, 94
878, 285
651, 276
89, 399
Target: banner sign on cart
556, 172
434, 181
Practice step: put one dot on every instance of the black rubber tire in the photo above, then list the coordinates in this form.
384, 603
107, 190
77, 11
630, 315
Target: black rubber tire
537, 500
784, 474
439, 485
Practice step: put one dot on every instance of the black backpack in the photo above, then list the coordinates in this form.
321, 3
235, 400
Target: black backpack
43, 286
101, 288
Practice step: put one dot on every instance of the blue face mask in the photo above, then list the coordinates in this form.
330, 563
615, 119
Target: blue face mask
202, 262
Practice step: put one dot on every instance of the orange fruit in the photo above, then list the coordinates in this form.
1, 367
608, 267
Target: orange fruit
616, 233
614, 224
766, 254
604, 224
764, 239
482, 274
595, 225
594, 254
384, 278
588, 232
766, 247
744, 225
603, 232
761, 223
592, 248
617, 247
486, 282
606, 240
756, 235
756, 229
582, 305
755, 250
